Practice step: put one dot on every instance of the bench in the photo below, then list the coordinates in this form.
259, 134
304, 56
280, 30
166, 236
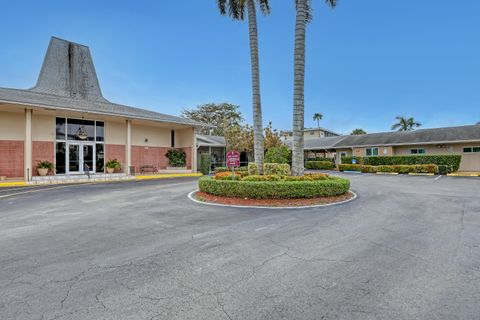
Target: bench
148, 168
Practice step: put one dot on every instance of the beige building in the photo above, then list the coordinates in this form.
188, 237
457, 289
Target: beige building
311, 133
65, 120
461, 140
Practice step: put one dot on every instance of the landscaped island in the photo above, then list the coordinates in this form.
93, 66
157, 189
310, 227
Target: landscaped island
275, 188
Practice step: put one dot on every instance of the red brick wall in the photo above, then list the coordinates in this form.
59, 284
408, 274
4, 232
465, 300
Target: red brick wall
115, 151
188, 151
11, 158
41, 151
153, 156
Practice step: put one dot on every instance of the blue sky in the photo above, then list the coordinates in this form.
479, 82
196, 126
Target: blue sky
367, 61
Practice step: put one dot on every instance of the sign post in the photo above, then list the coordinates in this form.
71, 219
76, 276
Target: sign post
233, 160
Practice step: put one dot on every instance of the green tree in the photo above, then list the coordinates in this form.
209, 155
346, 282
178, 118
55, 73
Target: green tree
405, 124
240, 138
358, 132
303, 16
317, 117
272, 137
220, 115
236, 9
279, 154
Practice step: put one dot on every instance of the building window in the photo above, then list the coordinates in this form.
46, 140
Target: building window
417, 151
99, 131
60, 128
80, 130
471, 150
173, 139
99, 157
343, 154
60, 157
370, 152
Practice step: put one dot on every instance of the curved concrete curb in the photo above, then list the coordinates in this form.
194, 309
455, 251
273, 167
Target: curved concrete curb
190, 196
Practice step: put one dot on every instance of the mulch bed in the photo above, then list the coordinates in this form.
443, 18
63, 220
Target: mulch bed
205, 197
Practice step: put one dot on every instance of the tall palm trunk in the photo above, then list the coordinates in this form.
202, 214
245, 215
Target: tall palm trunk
299, 90
257, 106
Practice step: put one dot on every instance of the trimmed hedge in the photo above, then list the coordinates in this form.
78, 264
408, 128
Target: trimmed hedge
449, 160
403, 169
282, 169
229, 169
332, 186
332, 160
252, 168
319, 165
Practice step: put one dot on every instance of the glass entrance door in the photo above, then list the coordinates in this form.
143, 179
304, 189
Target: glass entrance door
73, 158
81, 155
88, 157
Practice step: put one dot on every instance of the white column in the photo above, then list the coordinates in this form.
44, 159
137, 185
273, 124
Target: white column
194, 152
28, 145
128, 147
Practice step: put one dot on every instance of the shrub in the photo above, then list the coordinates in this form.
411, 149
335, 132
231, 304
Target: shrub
357, 167
282, 169
443, 169
278, 155
275, 189
113, 164
321, 159
176, 158
403, 169
221, 169
307, 177
45, 165
319, 165
273, 177
252, 168
205, 163
451, 160
229, 169
228, 176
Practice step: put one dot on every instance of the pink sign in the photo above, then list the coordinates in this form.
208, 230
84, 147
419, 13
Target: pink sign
233, 159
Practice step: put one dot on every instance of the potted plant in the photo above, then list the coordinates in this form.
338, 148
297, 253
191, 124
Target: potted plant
176, 158
43, 167
112, 165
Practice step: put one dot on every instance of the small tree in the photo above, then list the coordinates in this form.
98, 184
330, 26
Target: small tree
205, 163
278, 155
317, 117
405, 124
240, 138
220, 115
272, 137
356, 132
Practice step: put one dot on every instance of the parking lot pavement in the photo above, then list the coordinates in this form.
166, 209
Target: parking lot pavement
406, 248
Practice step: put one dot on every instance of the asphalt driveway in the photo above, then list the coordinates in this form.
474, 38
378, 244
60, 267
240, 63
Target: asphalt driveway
407, 248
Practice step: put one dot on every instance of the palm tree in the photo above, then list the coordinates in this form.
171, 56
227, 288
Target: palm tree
356, 132
405, 124
236, 10
317, 117
303, 16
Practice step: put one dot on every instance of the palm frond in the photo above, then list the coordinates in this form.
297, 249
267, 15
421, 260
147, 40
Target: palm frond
331, 3
264, 6
222, 6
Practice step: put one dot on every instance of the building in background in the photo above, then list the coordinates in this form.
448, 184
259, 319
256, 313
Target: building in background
311, 133
66, 120
462, 140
